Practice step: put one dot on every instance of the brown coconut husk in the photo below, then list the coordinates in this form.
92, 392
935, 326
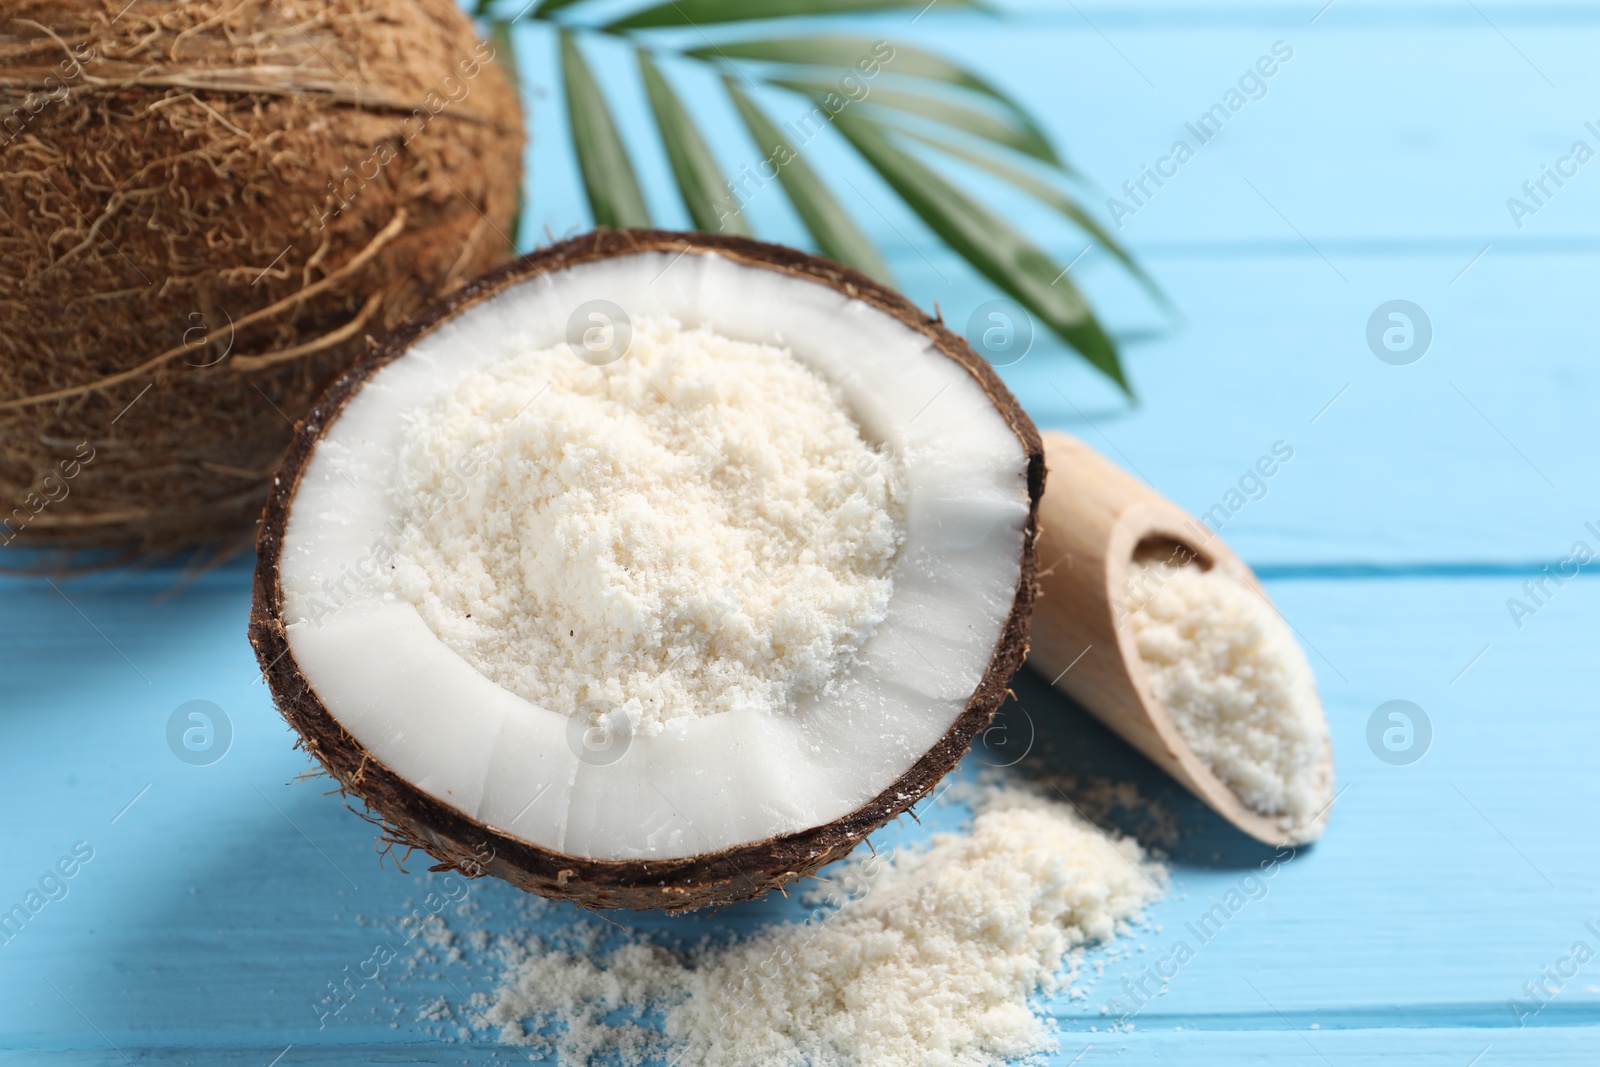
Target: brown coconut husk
207, 210
415, 819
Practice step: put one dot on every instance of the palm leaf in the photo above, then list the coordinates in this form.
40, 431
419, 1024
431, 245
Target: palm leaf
830, 226
848, 53
695, 168
984, 124
614, 196
1043, 191
707, 12
928, 101
505, 54
1004, 256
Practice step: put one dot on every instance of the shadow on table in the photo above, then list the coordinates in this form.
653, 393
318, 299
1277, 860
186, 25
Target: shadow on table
1045, 735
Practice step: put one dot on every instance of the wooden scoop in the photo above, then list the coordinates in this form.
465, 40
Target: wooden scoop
1092, 520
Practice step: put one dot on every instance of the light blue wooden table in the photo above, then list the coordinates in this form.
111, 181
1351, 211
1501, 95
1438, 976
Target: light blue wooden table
221, 900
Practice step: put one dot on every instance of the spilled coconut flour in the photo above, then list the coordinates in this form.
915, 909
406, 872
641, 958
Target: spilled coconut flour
1230, 673
928, 957
695, 528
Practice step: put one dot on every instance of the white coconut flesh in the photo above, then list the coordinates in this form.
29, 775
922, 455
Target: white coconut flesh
708, 782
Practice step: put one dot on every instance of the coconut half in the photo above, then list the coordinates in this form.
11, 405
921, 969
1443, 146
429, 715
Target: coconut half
723, 806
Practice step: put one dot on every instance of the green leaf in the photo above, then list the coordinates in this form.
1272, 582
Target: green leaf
843, 51
825, 219
996, 250
614, 196
1007, 131
695, 168
1043, 191
546, 7
505, 54
703, 12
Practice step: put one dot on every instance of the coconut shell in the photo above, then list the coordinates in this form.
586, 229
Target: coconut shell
416, 819
206, 211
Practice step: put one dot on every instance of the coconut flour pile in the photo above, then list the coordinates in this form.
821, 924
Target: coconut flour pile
695, 528
933, 963
1228, 670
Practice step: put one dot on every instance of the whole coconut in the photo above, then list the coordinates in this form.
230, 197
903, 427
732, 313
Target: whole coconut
207, 210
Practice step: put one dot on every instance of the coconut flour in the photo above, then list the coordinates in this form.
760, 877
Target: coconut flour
696, 528
931, 959
1229, 672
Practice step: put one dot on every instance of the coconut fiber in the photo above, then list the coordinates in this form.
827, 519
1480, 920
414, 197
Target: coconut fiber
206, 211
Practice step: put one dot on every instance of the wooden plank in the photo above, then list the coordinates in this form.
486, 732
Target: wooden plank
222, 900
1377, 166
220, 905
